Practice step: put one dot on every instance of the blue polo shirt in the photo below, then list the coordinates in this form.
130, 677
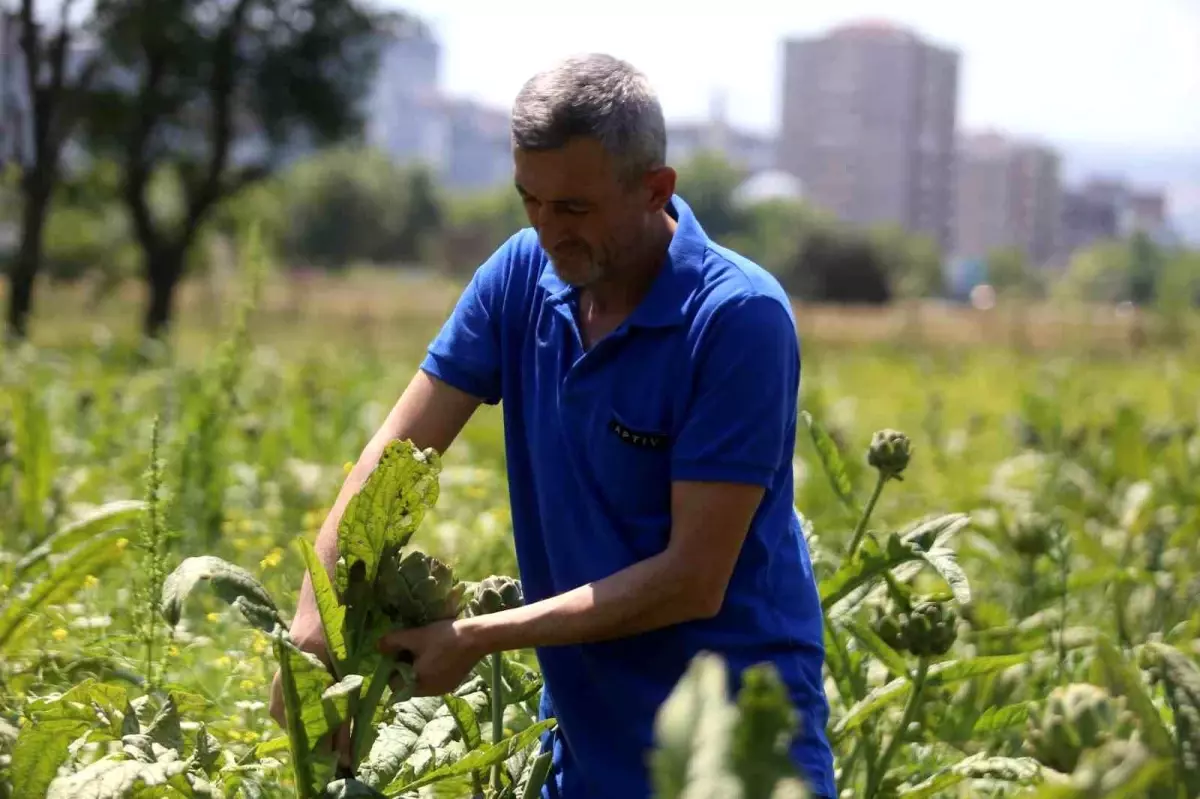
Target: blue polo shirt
699, 383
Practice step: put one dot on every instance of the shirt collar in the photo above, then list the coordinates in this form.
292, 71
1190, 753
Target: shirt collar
665, 303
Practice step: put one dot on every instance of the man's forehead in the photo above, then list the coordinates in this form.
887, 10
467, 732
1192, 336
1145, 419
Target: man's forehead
570, 170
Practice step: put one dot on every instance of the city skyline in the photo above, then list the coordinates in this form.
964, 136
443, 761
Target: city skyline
1067, 73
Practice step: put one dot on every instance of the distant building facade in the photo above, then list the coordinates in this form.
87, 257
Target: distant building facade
1008, 194
868, 121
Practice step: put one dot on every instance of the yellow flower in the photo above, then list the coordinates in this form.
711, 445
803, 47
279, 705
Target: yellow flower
213, 617
173, 651
223, 662
91, 581
260, 643
272, 559
347, 466
122, 543
59, 635
247, 685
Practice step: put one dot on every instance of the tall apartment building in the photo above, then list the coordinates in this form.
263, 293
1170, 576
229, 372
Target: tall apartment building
868, 126
1008, 194
404, 107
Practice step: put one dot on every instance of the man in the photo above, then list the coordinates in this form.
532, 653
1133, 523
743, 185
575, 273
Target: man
649, 382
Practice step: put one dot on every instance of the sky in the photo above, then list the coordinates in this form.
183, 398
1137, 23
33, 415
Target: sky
1105, 72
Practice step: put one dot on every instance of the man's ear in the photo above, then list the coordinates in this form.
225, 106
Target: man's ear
660, 185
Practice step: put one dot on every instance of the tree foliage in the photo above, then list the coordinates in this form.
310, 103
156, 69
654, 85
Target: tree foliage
222, 92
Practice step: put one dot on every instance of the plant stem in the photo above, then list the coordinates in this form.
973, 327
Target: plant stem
497, 711
362, 736
862, 522
910, 710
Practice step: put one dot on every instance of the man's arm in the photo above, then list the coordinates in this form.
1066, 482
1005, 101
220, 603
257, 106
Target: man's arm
431, 413
684, 582
728, 452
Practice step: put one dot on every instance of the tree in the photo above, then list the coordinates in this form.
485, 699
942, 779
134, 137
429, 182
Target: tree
221, 93
1009, 273
55, 87
708, 182
913, 261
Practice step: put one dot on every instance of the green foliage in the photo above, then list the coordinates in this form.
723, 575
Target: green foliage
1048, 520
351, 204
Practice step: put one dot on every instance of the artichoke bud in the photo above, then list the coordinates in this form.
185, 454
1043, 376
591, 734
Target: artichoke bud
494, 594
889, 453
1076, 718
891, 632
415, 589
931, 628
1031, 535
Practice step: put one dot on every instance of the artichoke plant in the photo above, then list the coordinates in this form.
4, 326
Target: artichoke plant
414, 589
494, 594
889, 453
1075, 718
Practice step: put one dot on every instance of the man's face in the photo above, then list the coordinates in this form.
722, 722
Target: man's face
586, 218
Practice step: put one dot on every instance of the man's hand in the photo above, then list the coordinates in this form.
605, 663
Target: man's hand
442, 655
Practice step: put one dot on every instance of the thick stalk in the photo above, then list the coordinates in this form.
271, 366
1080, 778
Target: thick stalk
862, 522
497, 711
362, 736
910, 710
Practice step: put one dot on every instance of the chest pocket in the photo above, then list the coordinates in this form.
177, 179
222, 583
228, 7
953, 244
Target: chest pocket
632, 459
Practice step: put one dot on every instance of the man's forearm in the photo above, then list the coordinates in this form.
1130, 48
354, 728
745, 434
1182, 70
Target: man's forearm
648, 595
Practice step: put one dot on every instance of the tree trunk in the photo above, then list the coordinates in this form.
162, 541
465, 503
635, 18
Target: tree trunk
29, 259
163, 270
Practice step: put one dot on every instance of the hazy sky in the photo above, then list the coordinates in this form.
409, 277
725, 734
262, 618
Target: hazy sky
1103, 72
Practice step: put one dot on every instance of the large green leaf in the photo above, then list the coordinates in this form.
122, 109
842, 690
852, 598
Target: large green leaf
113, 778
1019, 770
43, 744
231, 583
58, 585
331, 612
476, 760
831, 462
390, 505
121, 514
304, 681
943, 673
397, 741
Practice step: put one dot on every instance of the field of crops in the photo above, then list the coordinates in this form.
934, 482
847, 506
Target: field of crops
1011, 586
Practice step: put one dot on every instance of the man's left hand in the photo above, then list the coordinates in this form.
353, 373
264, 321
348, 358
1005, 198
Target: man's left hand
441, 655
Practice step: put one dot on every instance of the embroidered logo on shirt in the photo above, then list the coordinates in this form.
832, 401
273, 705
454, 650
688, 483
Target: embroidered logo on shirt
636, 438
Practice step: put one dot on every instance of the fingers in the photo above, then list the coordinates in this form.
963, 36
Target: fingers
396, 642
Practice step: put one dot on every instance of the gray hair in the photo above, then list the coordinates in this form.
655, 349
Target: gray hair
596, 96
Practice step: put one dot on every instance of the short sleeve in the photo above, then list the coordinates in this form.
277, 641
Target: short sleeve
740, 417
466, 353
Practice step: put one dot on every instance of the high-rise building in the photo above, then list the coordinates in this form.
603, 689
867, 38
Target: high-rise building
1008, 194
868, 126
404, 118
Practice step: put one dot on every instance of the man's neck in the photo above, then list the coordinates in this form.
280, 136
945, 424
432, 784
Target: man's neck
620, 295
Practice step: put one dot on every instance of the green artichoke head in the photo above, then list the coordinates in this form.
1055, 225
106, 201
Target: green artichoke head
1075, 718
414, 589
494, 594
889, 453
1031, 534
931, 628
